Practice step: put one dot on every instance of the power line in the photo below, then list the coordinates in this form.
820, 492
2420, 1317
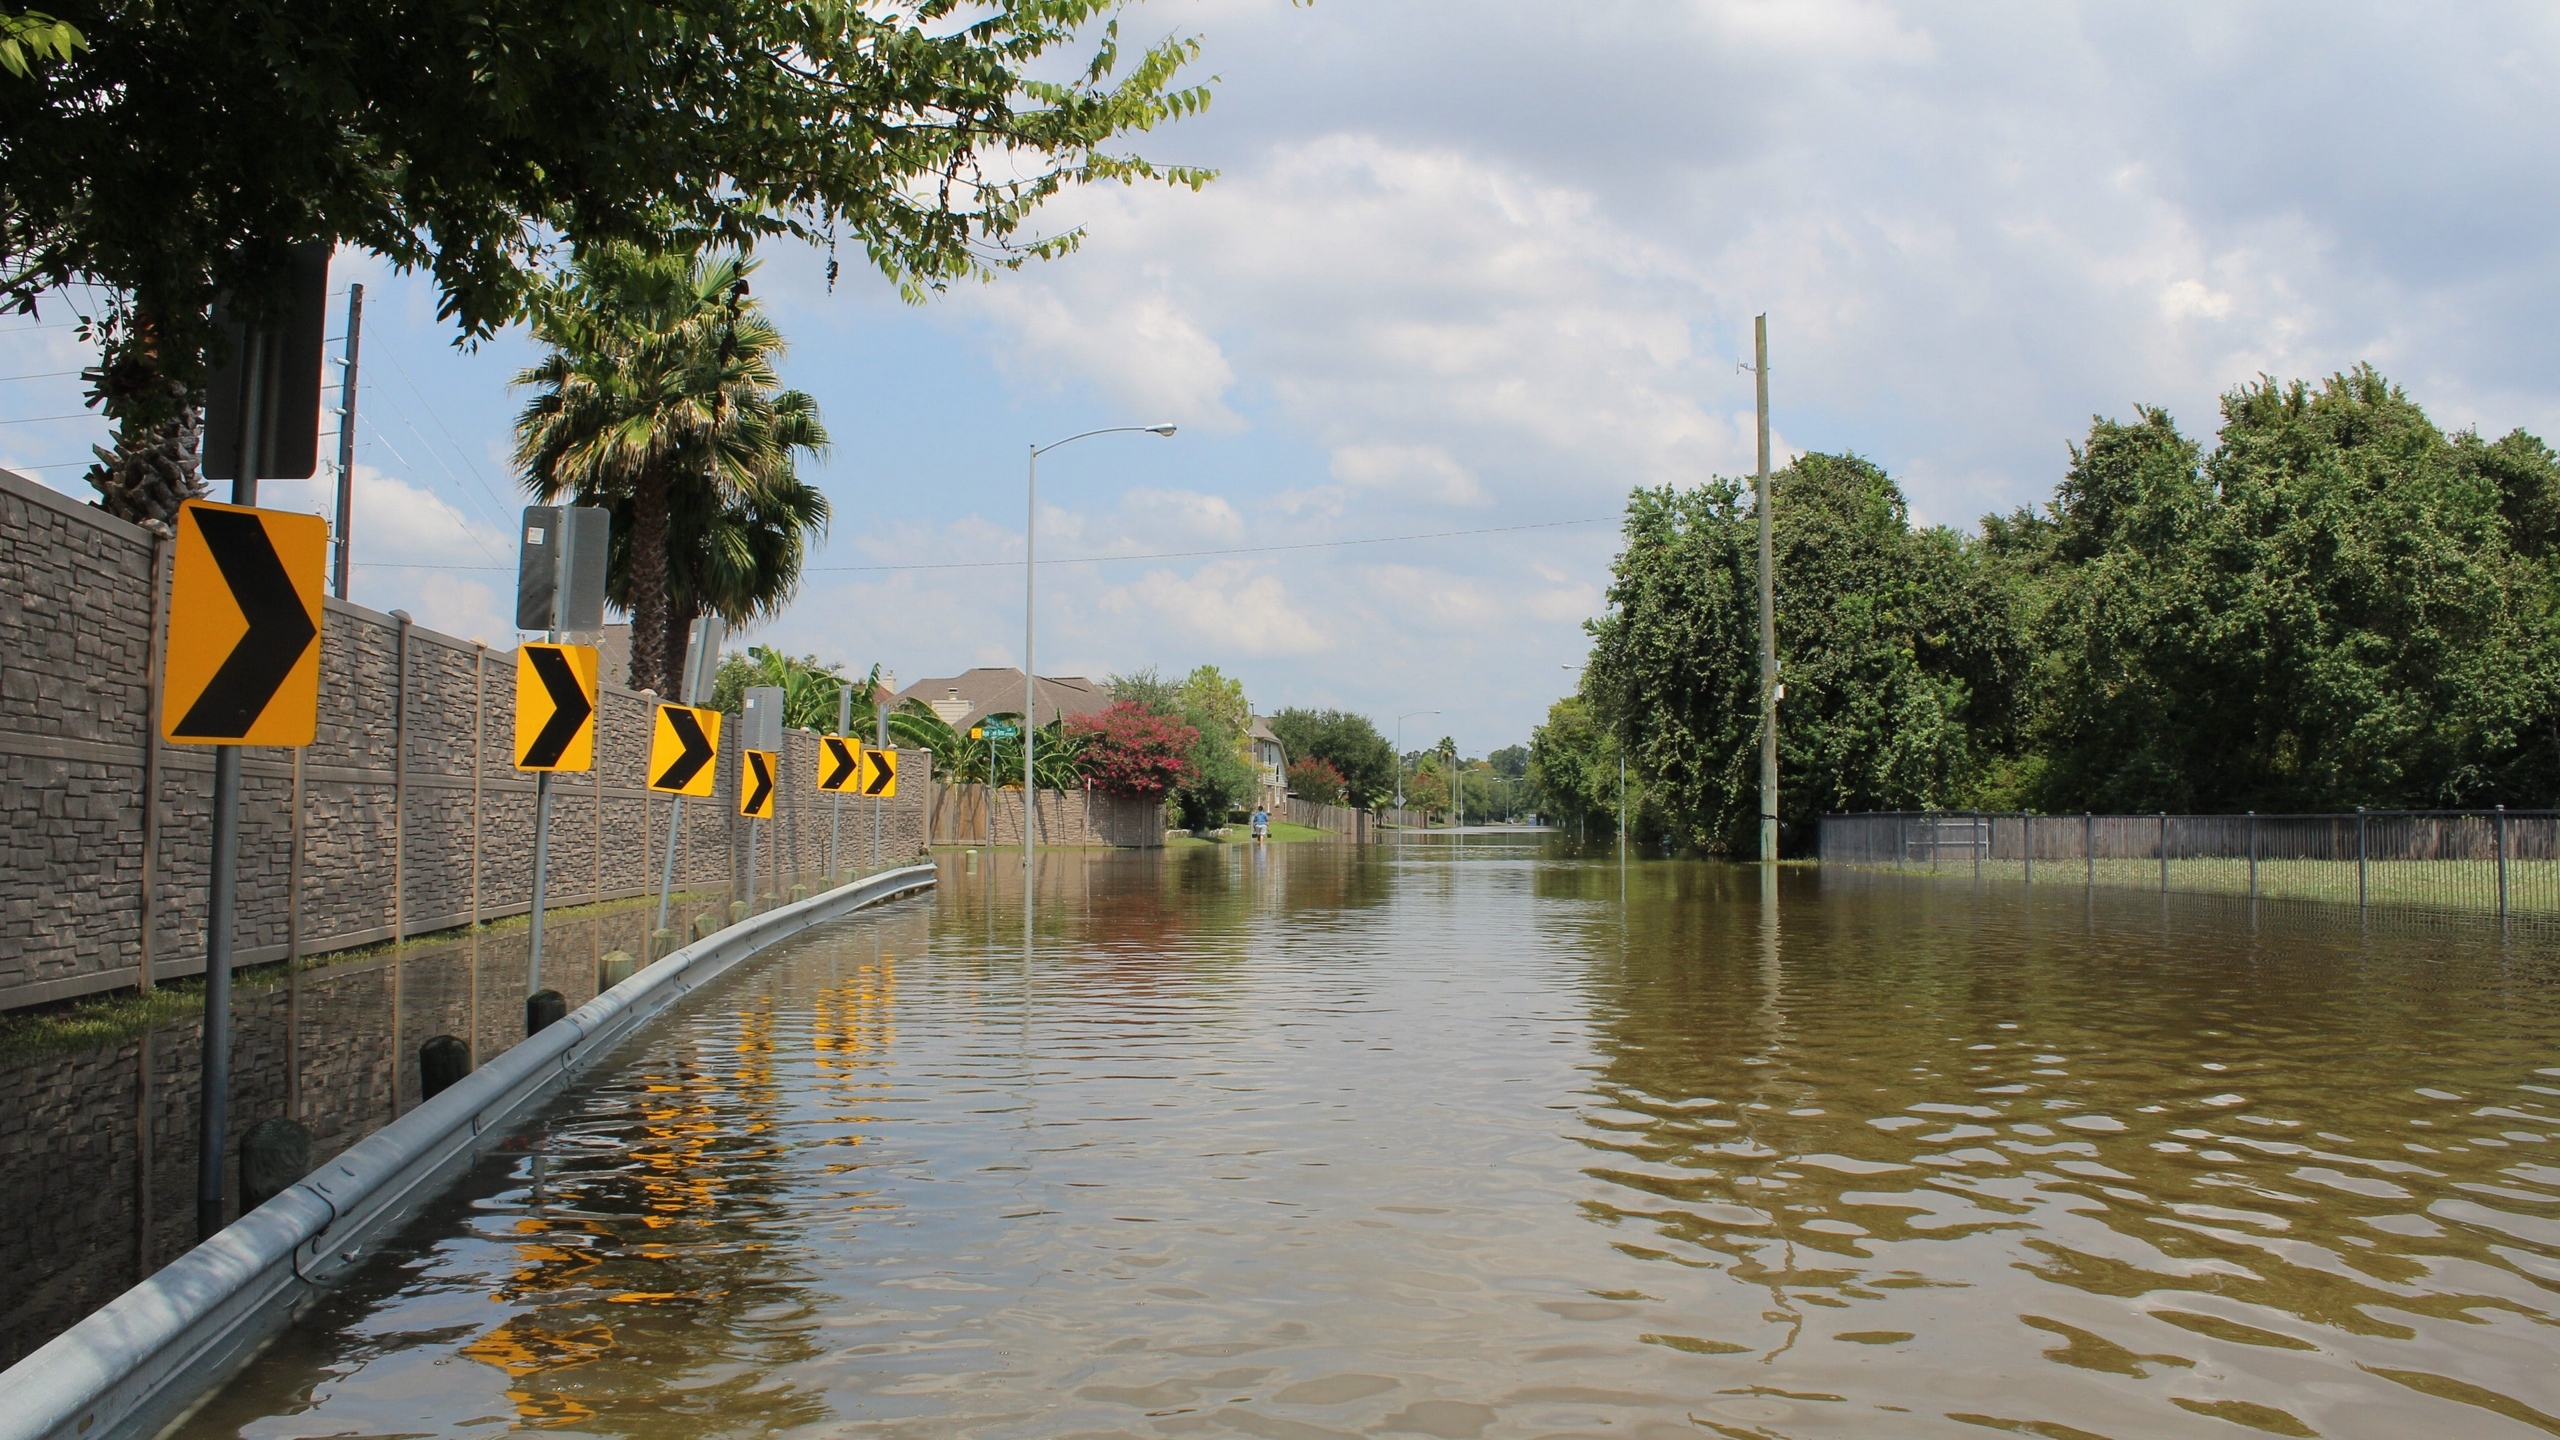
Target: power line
41, 419
41, 375
385, 442
1151, 555
428, 406
1237, 550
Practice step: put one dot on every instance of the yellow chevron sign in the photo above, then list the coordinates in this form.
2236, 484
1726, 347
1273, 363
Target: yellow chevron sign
244, 627
682, 750
555, 707
839, 762
880, 774
756, 785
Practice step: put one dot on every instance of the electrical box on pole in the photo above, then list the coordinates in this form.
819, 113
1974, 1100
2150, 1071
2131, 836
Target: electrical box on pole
560, 568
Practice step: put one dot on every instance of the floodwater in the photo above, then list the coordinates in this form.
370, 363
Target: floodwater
1320, 1141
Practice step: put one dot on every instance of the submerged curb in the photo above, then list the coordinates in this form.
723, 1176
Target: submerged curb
134, 1364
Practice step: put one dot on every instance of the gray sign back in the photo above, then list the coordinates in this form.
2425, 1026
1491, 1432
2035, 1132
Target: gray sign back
760, 719
560, 543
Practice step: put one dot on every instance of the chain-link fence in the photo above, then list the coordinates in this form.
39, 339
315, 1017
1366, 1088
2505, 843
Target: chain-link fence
2488, 861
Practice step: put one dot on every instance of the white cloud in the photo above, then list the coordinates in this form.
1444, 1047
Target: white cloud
1227, 608
1424, 470
1143, 351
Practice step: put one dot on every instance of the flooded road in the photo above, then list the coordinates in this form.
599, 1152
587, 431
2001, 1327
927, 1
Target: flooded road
1324, 1141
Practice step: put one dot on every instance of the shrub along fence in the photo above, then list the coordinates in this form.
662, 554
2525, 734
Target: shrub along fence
2497, 861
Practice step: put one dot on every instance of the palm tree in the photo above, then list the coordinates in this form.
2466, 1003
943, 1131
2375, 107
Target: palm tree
739, 560
659, 398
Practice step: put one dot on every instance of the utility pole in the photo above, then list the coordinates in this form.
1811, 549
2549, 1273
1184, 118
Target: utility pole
347, 435
1768, 611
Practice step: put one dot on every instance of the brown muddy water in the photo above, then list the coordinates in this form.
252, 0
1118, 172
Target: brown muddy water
1323, 1141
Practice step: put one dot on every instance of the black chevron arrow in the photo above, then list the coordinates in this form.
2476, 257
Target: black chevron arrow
569, 710
840, 755
280, 629
763, 782
697, 750
883, 770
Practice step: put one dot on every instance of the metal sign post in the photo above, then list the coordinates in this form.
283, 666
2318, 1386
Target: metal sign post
560, 570
226, 686
701, 661
261, 422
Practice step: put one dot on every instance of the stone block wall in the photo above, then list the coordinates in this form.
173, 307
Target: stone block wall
413, 817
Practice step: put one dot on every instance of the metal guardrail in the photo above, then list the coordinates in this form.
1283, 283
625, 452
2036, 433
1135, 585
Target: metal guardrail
2495, 861
133, 1365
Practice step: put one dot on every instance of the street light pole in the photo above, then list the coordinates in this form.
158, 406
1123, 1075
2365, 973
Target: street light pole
1768, 611
1030, 682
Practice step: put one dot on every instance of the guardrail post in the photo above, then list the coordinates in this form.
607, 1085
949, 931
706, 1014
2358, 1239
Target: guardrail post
1979, 829
2027, 844
2360, 891
2502, 862
2253, 854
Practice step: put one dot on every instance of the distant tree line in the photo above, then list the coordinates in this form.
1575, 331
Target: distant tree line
2337, 604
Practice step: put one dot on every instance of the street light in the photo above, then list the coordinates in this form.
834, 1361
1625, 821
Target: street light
1400, 826
1030, 698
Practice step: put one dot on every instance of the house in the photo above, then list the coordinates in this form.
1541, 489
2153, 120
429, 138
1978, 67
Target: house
965, 699
1270, 763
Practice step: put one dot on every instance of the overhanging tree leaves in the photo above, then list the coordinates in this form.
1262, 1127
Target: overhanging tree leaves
192, 142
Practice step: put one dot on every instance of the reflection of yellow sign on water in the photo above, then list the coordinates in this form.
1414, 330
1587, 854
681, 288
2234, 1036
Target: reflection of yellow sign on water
522, 1349
244, 627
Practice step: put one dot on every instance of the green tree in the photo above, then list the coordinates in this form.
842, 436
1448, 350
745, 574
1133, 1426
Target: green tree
1573, 767
740, 559
659, 375
809, 686
2340, 605
1426, 790
1896, 644
1349, 743
2336, 604
1222, 777
191, 144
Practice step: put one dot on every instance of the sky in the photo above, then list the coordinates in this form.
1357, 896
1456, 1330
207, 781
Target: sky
1473, 271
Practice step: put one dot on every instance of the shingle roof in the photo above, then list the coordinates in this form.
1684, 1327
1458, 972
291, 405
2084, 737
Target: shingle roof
997, 690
